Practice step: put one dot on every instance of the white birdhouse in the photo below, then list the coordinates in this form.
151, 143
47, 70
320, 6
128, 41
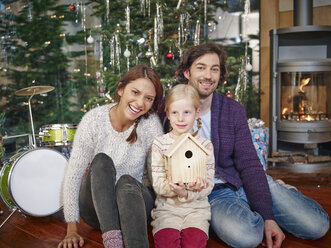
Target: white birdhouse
186, 159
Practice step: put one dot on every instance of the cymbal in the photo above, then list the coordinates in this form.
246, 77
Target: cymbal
34, 90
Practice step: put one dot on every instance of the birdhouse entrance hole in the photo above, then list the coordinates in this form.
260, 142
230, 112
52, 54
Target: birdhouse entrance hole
188, 154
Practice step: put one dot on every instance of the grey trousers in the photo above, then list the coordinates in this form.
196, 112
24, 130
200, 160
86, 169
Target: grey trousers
109, 205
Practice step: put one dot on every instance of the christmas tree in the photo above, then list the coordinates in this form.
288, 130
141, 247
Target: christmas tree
150, 32
36, 42
156, 33
112, 36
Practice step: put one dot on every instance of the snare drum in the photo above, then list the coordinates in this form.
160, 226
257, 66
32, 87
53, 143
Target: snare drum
31, 181
57, 135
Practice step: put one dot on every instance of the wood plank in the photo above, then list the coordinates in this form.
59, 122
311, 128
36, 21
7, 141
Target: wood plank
268, 20
321, 176
48, 231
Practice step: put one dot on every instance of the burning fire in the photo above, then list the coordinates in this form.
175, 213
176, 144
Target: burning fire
284, 111
310, 118
303, 83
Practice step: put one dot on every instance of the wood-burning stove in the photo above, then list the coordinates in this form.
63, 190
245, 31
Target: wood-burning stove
300, 92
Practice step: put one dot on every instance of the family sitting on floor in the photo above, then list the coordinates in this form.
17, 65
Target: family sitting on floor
117, 178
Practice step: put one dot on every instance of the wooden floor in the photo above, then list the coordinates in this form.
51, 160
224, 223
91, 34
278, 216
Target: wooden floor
44, 232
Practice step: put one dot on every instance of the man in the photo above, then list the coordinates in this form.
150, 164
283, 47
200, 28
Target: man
247, 205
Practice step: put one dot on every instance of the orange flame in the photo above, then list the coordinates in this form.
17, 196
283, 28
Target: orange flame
284, 111
303, 83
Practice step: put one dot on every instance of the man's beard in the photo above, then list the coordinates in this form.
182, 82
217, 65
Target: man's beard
204, 94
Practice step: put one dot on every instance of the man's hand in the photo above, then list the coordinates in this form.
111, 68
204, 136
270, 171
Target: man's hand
274, 236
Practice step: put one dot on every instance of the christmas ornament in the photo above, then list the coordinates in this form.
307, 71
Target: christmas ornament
90, 39
158, 28
101, 52
141, 41
118, 52
30, 11
197, 33
178, 4
101, 86
112, 52
107, 9
248, 66
205, 12
149, 54
72, 7
127, 15
229, 94
241, 87
127, 54
156, 37
170, 55
142, 6
77, 12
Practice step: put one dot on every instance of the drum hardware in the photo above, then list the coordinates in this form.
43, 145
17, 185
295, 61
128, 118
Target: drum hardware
31, 181
31, 91
12, 212
19, 136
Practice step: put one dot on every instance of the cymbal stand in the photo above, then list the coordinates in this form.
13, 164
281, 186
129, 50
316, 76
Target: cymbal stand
31, 120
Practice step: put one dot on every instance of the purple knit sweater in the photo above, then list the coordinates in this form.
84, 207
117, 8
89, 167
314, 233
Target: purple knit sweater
236, 159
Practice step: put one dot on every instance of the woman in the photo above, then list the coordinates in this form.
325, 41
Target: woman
103, 181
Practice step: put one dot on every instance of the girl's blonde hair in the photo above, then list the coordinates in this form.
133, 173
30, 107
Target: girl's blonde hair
181, 91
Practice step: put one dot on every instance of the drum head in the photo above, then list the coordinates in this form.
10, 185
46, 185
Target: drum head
35, 181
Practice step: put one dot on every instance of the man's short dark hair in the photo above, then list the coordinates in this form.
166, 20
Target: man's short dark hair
194, 52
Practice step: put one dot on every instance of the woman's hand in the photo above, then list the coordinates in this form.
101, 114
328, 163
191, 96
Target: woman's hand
72, 239
179, 188
199, 185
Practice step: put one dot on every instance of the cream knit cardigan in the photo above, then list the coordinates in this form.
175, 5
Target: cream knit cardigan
176, 212
94, 135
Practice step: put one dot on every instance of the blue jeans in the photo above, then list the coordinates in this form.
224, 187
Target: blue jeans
236, 224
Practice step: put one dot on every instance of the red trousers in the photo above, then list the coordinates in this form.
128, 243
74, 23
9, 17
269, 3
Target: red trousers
187, 238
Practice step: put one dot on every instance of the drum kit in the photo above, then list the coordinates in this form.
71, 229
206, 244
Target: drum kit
31, 180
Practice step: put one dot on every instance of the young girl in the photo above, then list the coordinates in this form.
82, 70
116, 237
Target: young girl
103, 180
182, 213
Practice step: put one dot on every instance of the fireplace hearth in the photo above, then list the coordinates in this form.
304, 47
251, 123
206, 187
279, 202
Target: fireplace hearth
300, 92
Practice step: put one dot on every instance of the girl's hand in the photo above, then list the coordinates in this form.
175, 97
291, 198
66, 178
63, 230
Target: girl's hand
199, 185
179, 188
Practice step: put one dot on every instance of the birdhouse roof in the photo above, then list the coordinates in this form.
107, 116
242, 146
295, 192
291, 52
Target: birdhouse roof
180, 141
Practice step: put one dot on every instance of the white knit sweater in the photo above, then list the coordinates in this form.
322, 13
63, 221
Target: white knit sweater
95, 134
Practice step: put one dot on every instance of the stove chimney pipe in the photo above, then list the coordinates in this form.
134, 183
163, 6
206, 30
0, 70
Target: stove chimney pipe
303, 12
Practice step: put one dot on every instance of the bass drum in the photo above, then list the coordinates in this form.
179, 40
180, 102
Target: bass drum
31, 181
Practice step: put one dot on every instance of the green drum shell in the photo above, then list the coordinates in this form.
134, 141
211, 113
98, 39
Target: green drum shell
57, 134
1, 149
4, 177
